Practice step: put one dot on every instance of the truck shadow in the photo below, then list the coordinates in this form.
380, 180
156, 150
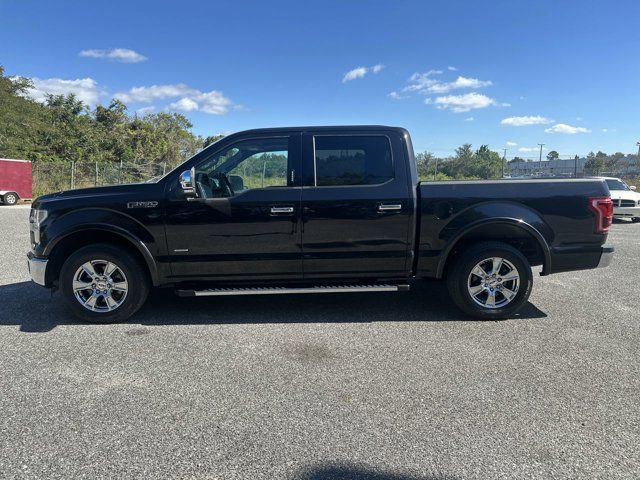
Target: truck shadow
355, 472
34, 309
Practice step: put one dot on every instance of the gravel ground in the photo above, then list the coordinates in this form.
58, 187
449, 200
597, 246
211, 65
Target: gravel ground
386, 386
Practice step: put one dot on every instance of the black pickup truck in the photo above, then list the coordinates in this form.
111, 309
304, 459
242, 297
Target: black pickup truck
313, 210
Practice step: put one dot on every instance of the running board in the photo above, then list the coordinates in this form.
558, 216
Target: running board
219, 292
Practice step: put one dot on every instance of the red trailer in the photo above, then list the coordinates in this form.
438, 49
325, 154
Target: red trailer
15, 180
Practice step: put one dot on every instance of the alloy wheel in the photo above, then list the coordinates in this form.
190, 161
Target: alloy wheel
493, 282
100, 286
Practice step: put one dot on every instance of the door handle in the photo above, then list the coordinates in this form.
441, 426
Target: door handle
281, 210
389, 207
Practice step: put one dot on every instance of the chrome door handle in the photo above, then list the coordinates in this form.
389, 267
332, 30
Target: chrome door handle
389, 207
280, 210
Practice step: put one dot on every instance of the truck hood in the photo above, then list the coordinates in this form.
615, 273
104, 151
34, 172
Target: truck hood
624, 195
97, 195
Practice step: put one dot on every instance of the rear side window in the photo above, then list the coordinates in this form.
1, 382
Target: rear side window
352, 160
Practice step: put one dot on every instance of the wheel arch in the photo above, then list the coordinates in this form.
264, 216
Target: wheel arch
4, 193
59, 249
515, 232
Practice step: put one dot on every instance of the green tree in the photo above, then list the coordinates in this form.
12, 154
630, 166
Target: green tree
594, 164
21, 119
211, 139
553, 155
486, 163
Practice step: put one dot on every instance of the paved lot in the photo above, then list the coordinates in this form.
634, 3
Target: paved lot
396, 386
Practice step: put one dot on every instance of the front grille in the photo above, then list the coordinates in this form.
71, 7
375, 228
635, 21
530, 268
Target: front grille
626, 203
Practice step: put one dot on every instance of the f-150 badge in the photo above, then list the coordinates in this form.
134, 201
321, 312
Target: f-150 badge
142, 204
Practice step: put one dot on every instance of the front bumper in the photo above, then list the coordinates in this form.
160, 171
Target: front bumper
606, 256
37, 269
626, 212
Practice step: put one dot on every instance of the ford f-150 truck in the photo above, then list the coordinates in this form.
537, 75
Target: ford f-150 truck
313, 210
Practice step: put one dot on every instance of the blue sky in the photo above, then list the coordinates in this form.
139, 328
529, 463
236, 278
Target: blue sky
564, 73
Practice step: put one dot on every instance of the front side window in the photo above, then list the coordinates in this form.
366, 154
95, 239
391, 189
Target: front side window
352, 160
248, 164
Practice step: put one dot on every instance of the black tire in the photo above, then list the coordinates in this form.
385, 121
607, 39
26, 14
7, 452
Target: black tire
134, 273
635, 219
10, 198
459, 274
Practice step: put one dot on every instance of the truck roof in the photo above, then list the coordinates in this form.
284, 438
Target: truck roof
331, 128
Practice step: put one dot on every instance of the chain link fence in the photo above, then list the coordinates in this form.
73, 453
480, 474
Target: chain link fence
52, 177
572, 167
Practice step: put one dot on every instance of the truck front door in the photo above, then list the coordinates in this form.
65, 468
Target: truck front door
244, 223
357, 206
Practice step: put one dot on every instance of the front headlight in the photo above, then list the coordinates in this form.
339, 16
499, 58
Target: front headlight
36, 217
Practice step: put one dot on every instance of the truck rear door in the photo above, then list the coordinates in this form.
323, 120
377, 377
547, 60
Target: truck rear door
356, 205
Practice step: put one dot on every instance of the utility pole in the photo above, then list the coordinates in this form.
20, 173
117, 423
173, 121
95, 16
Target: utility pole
435, 171
638, 159
504, 158
540, 159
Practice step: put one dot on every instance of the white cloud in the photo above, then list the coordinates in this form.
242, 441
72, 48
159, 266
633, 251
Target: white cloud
185, 104
191, 99
469, 119
526, 120
213, 102
605, 130
395, 96
567, 129
123, 55
511, 144
154, 92
452, 69
357, 72
531, 149
424, 83
360, 72
144, 110
463, 103
579, 119
421, 81
458, 83
85, 89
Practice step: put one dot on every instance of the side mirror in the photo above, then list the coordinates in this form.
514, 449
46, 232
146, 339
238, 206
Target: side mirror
632, 187
187, 182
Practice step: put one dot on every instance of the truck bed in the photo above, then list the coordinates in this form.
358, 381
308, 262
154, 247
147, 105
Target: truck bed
553, 212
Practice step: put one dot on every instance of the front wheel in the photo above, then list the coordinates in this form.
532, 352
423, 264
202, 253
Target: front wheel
635, 219
491, 280
103, 284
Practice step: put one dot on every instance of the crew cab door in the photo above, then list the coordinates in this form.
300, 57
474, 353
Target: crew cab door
356, 205
244, 223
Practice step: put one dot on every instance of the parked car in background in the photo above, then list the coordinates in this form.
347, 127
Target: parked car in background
626, 201
313, 210
15, 180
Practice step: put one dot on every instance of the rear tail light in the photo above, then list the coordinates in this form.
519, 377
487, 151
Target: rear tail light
603, 209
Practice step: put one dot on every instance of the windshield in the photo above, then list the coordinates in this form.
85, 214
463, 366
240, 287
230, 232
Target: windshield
616, 185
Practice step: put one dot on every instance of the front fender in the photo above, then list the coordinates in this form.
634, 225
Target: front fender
94, 219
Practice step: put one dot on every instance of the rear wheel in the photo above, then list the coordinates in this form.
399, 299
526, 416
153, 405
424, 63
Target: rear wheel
10, 198
635, 219
491, 280
103, 284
